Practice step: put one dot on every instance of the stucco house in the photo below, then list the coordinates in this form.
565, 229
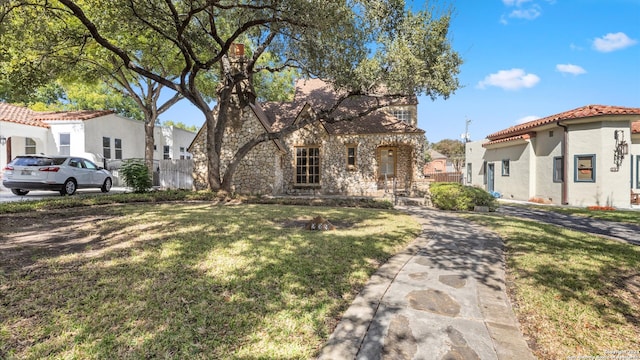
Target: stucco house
93, 134
589, 156
357, 157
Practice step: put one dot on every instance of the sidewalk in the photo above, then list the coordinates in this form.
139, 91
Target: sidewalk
442, 298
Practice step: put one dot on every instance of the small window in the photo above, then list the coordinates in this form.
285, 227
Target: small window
585, 170
166, 154
551, 133
307, 166
351, 157
29, 146
65, 144
505, 167
484, 173
402, 115
181, 149
558, 169
469, 173
118, 145
106, 147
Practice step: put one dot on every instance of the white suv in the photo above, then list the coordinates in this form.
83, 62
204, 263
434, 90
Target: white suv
57, 173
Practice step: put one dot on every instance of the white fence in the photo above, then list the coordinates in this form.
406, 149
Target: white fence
167, 174
175, 174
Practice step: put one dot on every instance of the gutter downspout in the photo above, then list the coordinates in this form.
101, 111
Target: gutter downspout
565, 148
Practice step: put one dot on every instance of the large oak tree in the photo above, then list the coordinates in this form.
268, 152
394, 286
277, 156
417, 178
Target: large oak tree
360, 46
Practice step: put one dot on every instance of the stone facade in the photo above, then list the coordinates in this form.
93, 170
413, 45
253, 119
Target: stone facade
366, 156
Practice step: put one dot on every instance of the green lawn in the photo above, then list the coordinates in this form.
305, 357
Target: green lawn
575, 294
186, 281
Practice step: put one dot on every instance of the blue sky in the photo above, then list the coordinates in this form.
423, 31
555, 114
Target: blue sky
526, 59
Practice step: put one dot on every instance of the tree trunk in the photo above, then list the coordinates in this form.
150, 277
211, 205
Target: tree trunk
149, 126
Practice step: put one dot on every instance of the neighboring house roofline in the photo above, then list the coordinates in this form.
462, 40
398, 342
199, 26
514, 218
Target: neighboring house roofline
589, 111
518, 138
25, 116
635, 127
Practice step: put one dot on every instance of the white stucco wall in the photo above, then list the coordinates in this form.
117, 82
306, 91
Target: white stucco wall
474, 155
18, 133
514, 186
173, 137
547, 146
129, 131
609, 186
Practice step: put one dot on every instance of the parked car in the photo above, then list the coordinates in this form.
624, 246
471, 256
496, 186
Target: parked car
57, 173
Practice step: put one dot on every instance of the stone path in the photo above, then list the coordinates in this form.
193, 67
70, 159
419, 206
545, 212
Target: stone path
442, 298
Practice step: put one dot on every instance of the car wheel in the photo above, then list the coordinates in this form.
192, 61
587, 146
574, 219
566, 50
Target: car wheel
69, 187
19, 192
107, 185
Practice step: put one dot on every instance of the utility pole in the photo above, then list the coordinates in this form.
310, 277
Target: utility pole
465, 137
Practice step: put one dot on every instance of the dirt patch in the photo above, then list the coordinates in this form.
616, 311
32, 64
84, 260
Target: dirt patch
29, 236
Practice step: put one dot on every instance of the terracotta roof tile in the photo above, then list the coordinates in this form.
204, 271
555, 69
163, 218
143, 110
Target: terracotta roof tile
509, 139
582, 112
635, 127
26, 116
19, 115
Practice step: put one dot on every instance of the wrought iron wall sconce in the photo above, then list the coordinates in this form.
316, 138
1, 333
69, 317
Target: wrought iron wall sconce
621, 149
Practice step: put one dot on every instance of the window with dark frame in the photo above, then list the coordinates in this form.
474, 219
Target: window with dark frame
29, 146
65, 144
117, 144
351, 157
106, 147
469, 172
166, 155
558, 169
585, 170
307, 166
505, 167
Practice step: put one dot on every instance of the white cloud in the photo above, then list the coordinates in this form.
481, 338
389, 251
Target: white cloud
513, 79
528, 14
570, 69
613, 42
575, 47
526, 119
514, 2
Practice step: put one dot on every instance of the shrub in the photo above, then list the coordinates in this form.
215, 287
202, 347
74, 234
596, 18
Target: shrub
454, 196
136, 175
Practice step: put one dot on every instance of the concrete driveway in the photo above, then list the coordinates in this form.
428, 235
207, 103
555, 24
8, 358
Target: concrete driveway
7, 196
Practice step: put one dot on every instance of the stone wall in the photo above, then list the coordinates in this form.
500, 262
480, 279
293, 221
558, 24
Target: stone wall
259, 172
266, 170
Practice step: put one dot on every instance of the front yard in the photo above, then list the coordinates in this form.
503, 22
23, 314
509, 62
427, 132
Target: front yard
185, 280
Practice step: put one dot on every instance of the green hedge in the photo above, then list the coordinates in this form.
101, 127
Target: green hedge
455, 196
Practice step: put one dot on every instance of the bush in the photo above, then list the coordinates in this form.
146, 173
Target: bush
136, 175
454, 196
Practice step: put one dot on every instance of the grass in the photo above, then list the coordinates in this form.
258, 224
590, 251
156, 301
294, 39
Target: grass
575, 294
190, 280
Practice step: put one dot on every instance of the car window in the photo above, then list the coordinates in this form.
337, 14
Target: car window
75, 163
33, 161
89, 165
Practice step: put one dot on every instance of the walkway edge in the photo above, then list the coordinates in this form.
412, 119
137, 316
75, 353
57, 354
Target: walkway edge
347, 338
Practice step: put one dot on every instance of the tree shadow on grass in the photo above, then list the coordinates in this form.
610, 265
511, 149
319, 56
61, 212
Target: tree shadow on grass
187, 281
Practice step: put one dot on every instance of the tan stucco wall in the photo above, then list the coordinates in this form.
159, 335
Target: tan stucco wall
547, 145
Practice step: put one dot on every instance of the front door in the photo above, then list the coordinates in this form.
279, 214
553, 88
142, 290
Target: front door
490, 177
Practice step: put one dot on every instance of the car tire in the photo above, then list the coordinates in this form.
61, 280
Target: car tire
107, 185
69, 187
19, 192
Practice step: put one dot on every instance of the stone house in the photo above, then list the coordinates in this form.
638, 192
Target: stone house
361, 157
